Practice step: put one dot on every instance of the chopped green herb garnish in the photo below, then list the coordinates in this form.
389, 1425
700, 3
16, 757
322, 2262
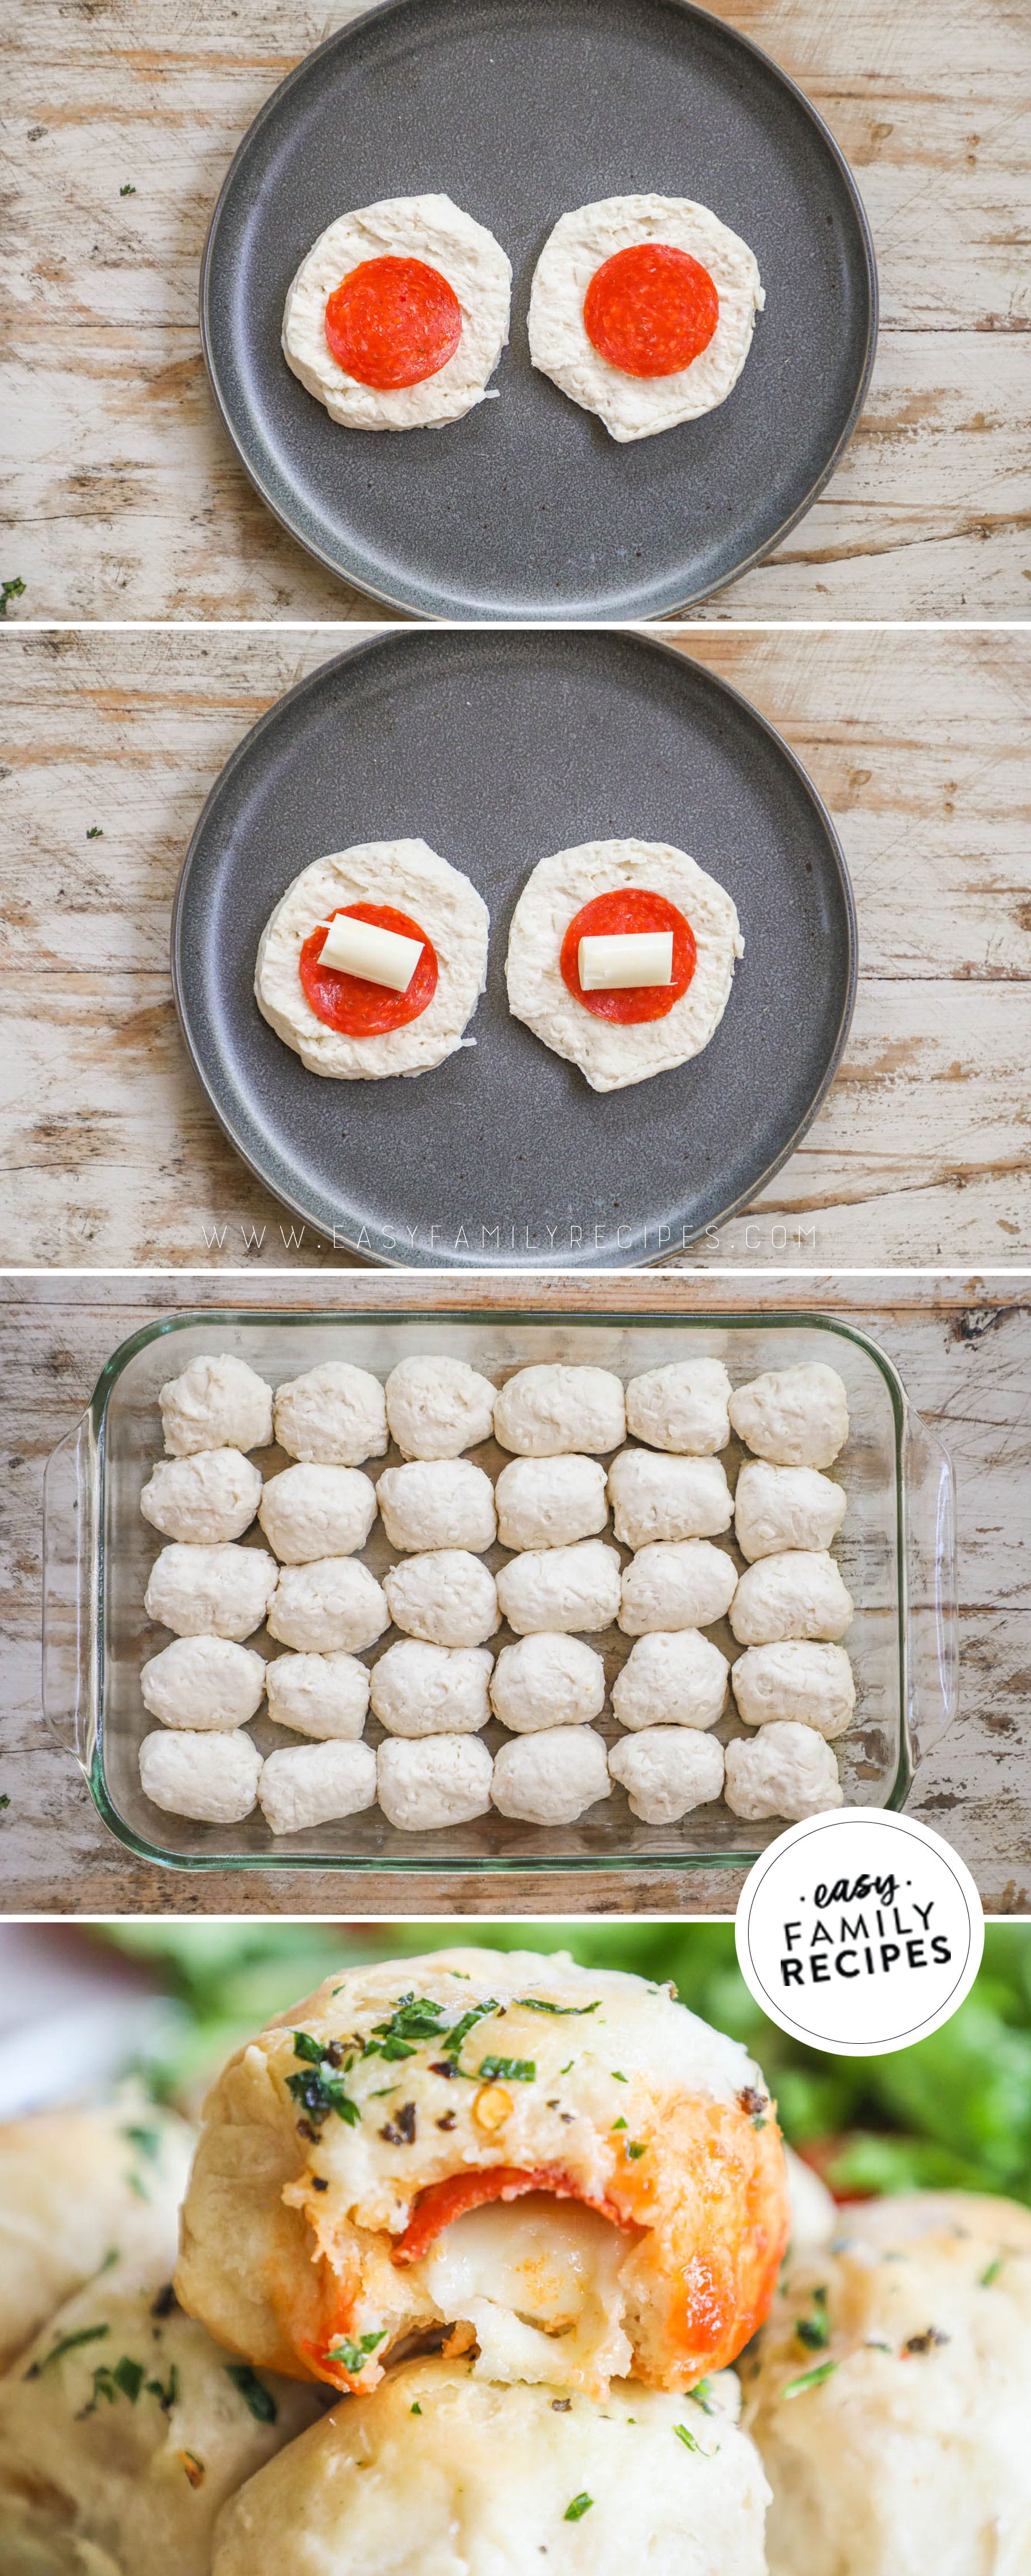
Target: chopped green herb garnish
416, 2018
808, 2379
617, 2078
312, 2049
416, 2409
517, 2070
166, 2396
9, 590
564, 2070
567, 2012
991, 2273
700, 2397
688, 2439
128, 2375
575, 2512
636, 2147
147, 2140
126, 190
619, 2124
814, 2332
355, 2355
321, 2089
95, 832
253, 2391
4, 1801
67, 2343
460, 2029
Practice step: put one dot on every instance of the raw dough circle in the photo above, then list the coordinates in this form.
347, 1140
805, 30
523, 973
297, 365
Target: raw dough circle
665, 1774
552, 1777
419, 1689
217, 1402
612, 1054
205, 1499
438, 1406
409, 875
333, 1415
428, 228
547, 1680
315, 1509
208, 1683
634, 406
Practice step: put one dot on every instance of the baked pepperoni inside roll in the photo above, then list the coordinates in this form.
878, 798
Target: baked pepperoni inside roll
560, 2167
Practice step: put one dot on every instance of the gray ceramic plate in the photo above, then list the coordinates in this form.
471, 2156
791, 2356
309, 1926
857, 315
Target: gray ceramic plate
496, 748
519, 109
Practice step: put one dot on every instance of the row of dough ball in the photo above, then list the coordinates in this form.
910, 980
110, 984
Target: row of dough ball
549, 1778
448, 1597
314, 1509
436, 1407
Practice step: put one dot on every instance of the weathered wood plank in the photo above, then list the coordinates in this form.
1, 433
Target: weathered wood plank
123, 497
963, 1347
918, 742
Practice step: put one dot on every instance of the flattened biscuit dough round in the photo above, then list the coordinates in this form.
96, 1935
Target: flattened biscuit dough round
612, 1053
411, 877
431, 229
636, 406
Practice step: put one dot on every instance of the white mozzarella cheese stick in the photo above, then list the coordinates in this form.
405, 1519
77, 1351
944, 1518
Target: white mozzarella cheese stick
611, 964
379, 956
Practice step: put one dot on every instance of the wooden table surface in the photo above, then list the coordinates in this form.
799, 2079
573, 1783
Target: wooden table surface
963, 1348
120, 489
920, 744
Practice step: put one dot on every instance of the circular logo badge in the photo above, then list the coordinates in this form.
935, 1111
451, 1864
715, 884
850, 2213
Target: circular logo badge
859, 1932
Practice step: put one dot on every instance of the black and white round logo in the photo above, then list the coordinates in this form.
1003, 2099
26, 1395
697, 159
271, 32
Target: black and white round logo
859, 1932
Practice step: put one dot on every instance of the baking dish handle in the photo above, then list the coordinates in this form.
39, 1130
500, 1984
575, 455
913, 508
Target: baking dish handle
70, 1497
930, 1586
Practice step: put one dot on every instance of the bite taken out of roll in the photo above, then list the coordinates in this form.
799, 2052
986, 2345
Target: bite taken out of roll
560, 2166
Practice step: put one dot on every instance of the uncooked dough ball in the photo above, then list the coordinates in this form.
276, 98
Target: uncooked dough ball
127, 2432
431, 1690
656, 1497
547, 1680
682, 1407
551, 1778
784, 1507
330, 1606
550, 1502
436, 1407
321, 1695
448, 1597
445, 1780
674, 1678
208, 1497
785, 1770
441, 2473
217, 1403
311, 1784
437, 1502
212, 1777
911, 2451
799, 1594
796, 1417
678, 1583
796, 1679
544, 1411
665, 1774
314, 1510
333, 1414
205, 1682
561, 1588
210, 1591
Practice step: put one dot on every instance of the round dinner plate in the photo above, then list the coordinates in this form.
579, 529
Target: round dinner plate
520, 110
496, 748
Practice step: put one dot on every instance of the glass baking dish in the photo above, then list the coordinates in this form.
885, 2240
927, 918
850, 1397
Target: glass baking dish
897, 1554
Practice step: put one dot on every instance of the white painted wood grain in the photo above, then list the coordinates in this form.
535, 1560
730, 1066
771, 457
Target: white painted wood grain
122, 496
963, 1349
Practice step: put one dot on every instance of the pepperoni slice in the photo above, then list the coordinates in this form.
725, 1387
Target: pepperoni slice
650, 310
629, 908
393, 322
443, 2201
351, 1003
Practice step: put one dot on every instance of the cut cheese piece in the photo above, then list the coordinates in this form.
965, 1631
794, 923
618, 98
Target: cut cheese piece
539, 2282
378, 956
624, 958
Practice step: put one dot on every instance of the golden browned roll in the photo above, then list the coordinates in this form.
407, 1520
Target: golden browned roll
122, 2432
441, 2474
890, 2393
76, 2186
562, 2164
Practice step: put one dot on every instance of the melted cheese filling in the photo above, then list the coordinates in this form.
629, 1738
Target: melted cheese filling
538, 2280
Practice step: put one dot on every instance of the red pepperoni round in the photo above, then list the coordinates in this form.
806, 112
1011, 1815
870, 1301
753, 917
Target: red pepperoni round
351, 1003
393, 322
650, 310
629, 908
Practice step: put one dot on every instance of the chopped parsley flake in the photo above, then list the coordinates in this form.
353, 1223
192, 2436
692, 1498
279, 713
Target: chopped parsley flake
320, 2089
564, 2070
568, 2012
4, 1802
617, 2078
10, 590
126, 189
253, 2391
814, 2332
575, 2512
66, 2343
991, 2273
95, 832
619, 2124
147, 2140
636, 2147
416, 2409
355, 2355
416, 2018
125, 2380
688, 2440
518, 2070
461, 2029
700, 2396
808, 2379
168, 2395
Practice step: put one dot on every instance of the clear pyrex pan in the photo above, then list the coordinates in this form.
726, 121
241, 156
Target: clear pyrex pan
896, 1551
